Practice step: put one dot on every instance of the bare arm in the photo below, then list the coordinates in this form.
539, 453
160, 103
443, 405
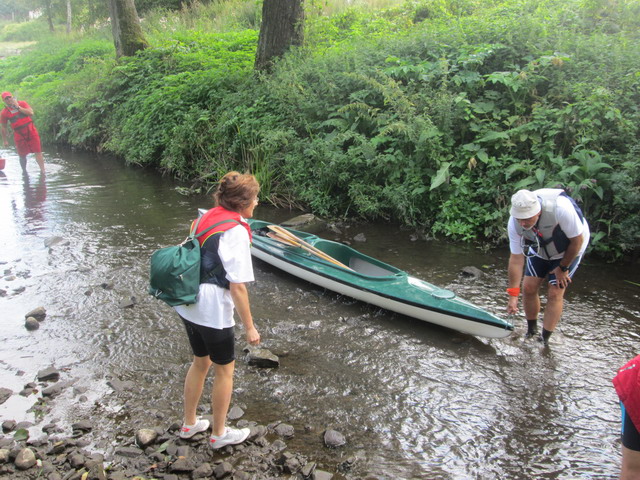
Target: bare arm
570, 254
515, 271
240, 297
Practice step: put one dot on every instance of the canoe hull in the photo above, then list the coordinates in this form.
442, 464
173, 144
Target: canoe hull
396, 292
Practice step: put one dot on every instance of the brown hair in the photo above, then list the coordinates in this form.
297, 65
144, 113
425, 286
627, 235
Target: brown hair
236, 191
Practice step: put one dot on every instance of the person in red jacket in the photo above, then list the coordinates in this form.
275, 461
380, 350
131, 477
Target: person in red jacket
627, 385
20, 115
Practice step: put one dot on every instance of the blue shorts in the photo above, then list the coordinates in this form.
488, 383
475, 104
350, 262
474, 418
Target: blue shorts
630, 435
218, 344
539, 267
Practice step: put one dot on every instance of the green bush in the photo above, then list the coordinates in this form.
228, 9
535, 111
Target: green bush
429, 113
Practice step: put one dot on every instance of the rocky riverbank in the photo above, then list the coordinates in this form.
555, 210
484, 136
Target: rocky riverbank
52, 450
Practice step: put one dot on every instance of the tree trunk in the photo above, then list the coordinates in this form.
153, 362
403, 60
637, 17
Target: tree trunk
282, 26
125, 25
68, 17
49, 17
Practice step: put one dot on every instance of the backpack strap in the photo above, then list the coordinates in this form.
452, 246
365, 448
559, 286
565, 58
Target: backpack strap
218, 268
195, 227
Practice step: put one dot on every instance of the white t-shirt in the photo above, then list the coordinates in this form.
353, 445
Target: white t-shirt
214, 305
568, 220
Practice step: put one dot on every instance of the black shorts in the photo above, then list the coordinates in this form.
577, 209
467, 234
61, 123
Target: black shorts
630, 436
218, 344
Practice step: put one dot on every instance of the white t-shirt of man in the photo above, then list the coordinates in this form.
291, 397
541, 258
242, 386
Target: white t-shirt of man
214, 305
569, 222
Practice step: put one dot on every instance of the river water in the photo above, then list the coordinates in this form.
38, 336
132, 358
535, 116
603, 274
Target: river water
413, 400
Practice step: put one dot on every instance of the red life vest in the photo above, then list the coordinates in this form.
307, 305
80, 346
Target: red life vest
17, 119
627, 384
215, 215
211, 268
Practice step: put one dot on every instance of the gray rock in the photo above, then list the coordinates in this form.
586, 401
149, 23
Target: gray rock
51, 241
120, 385
322, 475
127, 302
183, 465
146, 437
360, 238
76, 460
222, 470
299, 220
82, 425
235, 413
48, 374
308, 469
55, 389
262, 358
8, 426
96, 472
4, 455
285, 430
38, 313
31, 324
471, 272
5, 393
333, 439
203, 471
129, 452
25, 459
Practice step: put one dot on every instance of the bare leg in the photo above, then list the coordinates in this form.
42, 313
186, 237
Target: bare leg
23, 163
221, 396
40, 160
193, 385
630, 464
531, 298
553, 309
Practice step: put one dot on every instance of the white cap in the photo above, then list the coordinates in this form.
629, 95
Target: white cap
524, 204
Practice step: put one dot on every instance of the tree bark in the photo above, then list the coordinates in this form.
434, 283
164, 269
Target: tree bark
125, 25
282, 27
68, 17
49, 16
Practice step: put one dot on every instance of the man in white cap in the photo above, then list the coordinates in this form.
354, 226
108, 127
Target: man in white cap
549, 231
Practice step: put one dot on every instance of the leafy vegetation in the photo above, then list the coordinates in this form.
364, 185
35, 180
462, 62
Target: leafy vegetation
428, 112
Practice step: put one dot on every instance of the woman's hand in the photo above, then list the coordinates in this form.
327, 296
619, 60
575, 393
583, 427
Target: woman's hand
253, 337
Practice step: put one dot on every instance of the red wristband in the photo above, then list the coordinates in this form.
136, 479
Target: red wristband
514, 292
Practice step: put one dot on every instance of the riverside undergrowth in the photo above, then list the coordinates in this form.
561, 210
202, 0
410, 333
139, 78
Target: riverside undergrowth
428, 113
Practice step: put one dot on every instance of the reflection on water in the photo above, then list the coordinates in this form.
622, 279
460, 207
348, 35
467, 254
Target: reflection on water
413, 400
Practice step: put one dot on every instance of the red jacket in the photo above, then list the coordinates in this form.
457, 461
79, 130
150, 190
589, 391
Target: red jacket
627, 385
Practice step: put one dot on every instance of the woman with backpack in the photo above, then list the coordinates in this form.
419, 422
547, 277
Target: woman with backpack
225, 268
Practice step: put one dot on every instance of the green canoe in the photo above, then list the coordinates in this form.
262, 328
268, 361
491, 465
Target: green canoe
372, 281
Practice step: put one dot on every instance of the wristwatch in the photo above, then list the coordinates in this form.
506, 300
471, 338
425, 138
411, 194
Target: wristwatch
563, 268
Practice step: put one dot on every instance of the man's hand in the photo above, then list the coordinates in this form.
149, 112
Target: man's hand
512, 306
562, 278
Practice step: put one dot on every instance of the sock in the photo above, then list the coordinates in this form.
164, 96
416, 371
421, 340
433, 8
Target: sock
532, 326
545, 335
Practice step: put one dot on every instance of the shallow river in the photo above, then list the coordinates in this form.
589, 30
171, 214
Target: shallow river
413, 400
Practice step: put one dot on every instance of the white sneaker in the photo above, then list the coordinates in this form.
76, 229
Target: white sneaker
231, 436
188, 431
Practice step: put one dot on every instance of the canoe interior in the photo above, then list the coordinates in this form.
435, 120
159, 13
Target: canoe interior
360, 263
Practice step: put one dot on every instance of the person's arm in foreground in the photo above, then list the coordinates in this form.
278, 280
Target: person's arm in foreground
515, 271
240, 296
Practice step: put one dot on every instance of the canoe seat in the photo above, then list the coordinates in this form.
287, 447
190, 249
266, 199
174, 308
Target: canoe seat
366, 268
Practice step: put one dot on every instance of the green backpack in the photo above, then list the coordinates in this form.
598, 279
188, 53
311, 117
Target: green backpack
174, 275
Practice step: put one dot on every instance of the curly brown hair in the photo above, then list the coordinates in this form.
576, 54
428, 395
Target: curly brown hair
236, 191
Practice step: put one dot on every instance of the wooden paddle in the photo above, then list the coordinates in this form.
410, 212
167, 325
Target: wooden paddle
284, 234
